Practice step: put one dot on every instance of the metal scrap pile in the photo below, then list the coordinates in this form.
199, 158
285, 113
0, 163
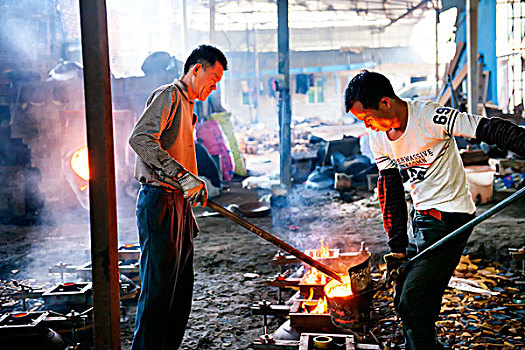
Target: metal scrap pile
21, 295
484, 310
259, 141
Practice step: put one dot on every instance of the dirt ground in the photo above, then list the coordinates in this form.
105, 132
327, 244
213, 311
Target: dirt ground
225, 253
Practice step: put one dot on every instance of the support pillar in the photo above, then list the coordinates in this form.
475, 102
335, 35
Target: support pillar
472, 56
102, 196
285, 111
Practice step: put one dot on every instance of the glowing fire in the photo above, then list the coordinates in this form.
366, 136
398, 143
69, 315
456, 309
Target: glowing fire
314, 276
336, 289
320, 308
80, 164
322, 252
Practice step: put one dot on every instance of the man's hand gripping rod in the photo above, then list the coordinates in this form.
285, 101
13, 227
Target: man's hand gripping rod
264, 235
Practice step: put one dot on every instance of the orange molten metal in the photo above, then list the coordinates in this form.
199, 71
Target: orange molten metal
315, 277
336, 289
80, 164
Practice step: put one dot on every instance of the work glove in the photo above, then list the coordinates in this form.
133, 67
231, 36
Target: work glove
394, 261
194, 189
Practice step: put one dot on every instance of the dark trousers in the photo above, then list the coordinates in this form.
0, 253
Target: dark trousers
166, 230
418, 297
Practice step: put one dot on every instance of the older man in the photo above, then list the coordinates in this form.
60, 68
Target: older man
166, 167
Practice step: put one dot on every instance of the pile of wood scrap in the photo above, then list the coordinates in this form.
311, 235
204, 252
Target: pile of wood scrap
489, 316
483, 308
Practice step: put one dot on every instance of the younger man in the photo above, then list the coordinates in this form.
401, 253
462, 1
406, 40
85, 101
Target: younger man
418, 136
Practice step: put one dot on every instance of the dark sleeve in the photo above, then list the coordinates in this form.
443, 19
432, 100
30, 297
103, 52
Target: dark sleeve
394, 208
502, 133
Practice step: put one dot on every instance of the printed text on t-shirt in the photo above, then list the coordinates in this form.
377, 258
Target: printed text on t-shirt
441, 116
414, 159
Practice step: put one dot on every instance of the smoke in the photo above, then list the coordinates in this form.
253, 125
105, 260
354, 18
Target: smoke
22, 30
44, 216
312, 215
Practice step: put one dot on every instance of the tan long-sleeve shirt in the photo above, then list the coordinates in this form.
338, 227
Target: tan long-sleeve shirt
163, 135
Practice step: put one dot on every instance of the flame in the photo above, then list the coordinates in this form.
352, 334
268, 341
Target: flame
322, 252
303, 305
21, 314
320, 308
336, 289
314, 276
80, 164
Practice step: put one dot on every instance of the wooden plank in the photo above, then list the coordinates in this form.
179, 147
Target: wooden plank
278, 344
450, 68
102, 196
458, 79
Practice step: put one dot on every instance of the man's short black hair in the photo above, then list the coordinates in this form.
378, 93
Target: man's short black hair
205, 54
368, 88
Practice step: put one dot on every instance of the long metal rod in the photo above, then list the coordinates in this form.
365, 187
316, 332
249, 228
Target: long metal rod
274, 240
495, 209
263, 234
102, 197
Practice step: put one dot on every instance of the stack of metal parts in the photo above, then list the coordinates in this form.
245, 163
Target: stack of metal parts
60, 316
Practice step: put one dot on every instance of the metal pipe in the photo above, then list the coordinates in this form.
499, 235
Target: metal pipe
185, 38
469, 225
212, 22
257, 75
274, 240
472, 55
409, 11
437, 49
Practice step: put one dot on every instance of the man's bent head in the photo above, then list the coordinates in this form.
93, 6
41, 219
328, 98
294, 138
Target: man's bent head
369, 97
203, 70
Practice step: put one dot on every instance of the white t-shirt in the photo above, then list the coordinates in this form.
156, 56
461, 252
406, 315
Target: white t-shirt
428, 151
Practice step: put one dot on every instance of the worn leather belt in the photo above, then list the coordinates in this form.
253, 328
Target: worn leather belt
431, 212
163, 188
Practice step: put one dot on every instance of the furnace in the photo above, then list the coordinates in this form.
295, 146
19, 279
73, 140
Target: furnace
323, 305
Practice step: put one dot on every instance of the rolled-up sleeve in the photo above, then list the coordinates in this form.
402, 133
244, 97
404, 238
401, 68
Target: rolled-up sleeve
145, 137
